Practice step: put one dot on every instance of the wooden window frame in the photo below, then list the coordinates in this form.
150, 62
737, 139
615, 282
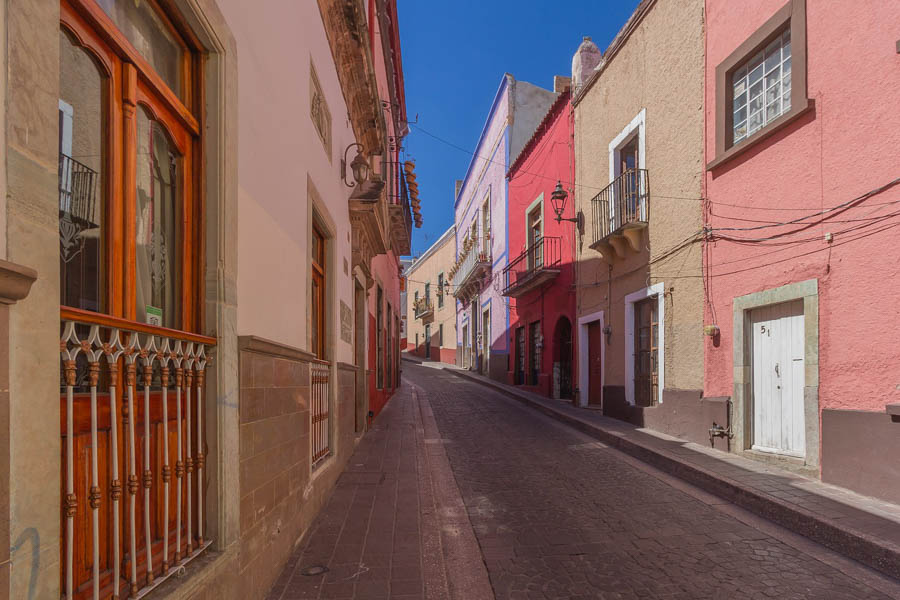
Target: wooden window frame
132, 84
792, 15
319, 273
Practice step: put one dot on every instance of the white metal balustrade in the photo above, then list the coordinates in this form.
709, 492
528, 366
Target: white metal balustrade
159, 366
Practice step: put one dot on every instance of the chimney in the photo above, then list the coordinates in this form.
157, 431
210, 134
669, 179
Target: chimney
459, 183
561, 84
586, 58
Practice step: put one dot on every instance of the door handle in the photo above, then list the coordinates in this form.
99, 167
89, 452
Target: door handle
777, 373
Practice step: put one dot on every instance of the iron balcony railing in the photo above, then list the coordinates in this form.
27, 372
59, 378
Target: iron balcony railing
544, 253
424, 307
624, 202
77, 190
474, 258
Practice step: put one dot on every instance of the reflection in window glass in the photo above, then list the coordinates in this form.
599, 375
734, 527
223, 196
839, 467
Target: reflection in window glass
81, 173
150, 36
158, 234
762, 88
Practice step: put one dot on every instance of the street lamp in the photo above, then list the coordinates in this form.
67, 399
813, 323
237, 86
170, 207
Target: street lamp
358, 166
558, 201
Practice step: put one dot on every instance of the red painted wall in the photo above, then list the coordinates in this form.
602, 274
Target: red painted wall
846, 146
548, 157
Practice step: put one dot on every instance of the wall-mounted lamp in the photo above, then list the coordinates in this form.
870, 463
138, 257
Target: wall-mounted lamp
558, 201
358, 166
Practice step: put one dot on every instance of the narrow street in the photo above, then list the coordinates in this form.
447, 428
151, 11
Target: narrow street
555, 515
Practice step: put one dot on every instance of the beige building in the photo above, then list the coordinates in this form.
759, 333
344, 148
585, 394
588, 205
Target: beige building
431, 312
190, 277
639, 163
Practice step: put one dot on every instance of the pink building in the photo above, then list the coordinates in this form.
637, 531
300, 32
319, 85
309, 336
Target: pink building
802, 131
539, 280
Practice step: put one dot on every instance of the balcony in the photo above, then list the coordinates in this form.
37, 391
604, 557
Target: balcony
424, 310
536, 266
620, 213
401, 220
475, 264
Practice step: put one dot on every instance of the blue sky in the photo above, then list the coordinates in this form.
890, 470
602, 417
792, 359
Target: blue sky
454, 54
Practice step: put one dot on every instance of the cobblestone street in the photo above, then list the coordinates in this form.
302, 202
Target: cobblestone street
556, 515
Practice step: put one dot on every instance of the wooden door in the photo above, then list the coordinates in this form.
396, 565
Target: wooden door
778, 378
646, 340
595, 364
485, 341
520, 356
564, 348
428, 341
628, 165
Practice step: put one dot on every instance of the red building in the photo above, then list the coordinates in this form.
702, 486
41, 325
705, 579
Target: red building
539, 281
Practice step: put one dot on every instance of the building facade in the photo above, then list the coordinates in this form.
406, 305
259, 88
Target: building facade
539, 281
480, 211
206, 382
803, 311
638, 154
432, 312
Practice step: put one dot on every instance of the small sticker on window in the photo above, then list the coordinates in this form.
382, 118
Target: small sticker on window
154, 316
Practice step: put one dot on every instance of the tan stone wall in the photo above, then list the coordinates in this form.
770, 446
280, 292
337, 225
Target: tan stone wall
438, 259
659, 69
280, 494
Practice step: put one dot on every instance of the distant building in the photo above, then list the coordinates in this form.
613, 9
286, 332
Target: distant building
480, 210
431, 316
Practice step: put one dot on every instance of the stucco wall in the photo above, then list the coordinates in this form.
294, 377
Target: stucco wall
846, 146
487, 176
532, 179
437, 259
277, 47
659, 70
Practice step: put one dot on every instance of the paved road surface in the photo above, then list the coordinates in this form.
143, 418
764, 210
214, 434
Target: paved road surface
558, 515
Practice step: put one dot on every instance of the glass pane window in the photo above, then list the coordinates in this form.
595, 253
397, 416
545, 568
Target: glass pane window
82, 190
764, 80
158, 243
151, 36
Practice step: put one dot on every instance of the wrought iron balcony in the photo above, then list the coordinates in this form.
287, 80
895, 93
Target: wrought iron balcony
620, 212
401, 219
424, 310
537, 265
475, 264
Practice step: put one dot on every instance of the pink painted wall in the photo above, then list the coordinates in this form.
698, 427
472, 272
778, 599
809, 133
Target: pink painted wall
548, 157
280, 157
386, 267
845, 147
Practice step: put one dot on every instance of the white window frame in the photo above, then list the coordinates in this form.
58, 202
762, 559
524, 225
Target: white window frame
658, 290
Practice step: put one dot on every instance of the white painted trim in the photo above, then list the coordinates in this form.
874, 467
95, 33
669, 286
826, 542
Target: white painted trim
539, 201
637, 123
657, 290
584, 357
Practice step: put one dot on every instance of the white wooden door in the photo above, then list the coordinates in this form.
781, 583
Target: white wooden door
778, 379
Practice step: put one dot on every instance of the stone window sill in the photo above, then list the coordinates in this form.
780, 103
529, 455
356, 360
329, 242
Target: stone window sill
764, 133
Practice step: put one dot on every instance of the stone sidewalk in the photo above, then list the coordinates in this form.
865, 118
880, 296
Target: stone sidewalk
395, 525
864, 529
